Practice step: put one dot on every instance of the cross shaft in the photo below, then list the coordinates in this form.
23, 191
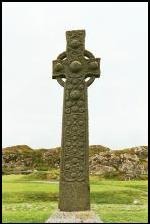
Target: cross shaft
75, 65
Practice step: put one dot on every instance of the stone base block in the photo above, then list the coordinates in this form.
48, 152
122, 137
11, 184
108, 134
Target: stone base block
74, 217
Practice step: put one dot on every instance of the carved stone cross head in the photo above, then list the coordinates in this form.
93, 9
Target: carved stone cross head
76, 62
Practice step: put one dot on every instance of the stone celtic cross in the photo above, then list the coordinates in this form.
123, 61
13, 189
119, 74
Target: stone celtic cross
71, 69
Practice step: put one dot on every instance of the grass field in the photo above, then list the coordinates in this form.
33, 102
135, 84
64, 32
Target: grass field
27, 201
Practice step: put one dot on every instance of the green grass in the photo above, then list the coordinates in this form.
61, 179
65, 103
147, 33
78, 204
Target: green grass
33, 202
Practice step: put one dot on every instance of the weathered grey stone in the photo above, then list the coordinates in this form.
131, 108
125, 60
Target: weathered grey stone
74, 217
75, 65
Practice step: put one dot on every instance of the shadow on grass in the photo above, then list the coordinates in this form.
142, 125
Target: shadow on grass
141, 187
115, 197
104, 197
29, 197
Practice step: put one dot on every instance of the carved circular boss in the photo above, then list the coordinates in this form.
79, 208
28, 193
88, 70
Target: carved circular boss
76, 66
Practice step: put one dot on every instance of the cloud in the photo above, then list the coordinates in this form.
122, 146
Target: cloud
33, 36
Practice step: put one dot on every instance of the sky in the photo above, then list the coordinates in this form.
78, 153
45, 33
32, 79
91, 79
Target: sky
33, 35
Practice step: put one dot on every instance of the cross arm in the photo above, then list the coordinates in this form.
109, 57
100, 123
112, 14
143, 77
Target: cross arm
92, 68
58, 69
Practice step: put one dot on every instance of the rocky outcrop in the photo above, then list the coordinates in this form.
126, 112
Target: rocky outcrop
123, 164
120, 164
23, 159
